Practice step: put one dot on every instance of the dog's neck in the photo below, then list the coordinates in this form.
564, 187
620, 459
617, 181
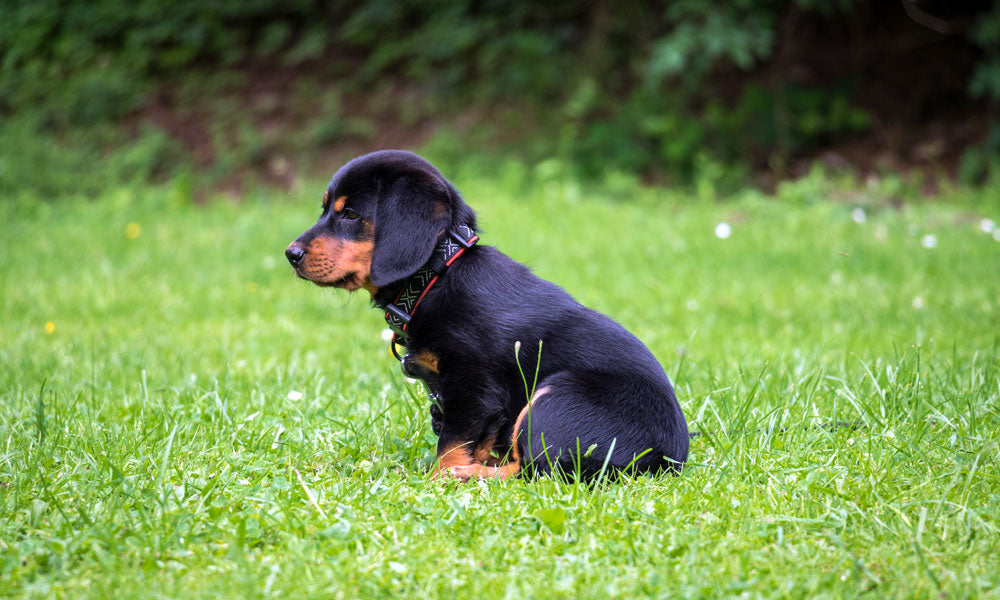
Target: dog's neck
407, 294
383, 296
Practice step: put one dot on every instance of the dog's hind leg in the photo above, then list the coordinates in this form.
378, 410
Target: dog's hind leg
582, 424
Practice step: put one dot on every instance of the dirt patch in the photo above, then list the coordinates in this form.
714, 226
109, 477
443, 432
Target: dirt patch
275, 125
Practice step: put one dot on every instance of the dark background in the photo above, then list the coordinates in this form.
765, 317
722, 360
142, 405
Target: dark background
230, 94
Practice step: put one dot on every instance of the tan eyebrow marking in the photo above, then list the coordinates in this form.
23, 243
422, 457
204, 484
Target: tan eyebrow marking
326, 199
338, 205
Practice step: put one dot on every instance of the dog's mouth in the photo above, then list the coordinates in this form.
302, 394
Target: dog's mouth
348, 281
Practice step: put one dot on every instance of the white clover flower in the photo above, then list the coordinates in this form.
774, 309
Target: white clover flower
723, 231
294, 395
929, 241
858, 215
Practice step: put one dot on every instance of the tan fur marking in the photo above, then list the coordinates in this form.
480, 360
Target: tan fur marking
460, 461
330, 259
426, 359
514, 451
339, 203
369, 239
466, 472
454, 456
482, 452
326, 199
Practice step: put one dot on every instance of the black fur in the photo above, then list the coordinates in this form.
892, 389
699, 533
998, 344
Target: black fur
604, 386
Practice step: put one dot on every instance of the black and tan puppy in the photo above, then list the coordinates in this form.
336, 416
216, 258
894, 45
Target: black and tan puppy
393, 225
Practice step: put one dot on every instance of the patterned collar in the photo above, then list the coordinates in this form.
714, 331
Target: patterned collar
398, 314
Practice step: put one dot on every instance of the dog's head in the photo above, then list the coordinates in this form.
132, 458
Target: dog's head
382, 215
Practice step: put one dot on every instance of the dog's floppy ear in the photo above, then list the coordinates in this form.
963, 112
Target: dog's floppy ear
410, 216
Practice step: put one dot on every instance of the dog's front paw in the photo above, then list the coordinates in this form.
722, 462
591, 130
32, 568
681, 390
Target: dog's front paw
461, 472
456, 472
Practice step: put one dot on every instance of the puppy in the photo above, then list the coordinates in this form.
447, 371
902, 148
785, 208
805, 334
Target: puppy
526, 379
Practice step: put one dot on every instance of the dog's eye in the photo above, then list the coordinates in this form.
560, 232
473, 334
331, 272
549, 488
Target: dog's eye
350, 215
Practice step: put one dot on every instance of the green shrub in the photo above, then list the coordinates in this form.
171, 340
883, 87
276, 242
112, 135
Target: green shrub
629, 86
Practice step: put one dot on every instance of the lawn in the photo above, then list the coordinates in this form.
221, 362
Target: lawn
181, 417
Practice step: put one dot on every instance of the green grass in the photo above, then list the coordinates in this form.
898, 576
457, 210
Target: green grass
149, 445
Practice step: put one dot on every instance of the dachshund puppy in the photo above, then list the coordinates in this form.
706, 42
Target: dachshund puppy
526, 379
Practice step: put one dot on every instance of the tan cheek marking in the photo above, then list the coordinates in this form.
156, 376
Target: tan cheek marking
339, 203
326, 199
323, 250
369, 239
359, 258
333, 258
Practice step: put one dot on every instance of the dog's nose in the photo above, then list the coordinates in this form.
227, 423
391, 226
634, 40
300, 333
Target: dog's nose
294, 253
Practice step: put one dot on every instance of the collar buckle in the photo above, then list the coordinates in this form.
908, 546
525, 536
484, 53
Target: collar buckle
464, 235
397, 319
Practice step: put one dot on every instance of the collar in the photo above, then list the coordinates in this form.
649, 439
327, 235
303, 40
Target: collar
399, 312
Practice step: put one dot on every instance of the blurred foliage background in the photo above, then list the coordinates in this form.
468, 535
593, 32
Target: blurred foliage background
235, 93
